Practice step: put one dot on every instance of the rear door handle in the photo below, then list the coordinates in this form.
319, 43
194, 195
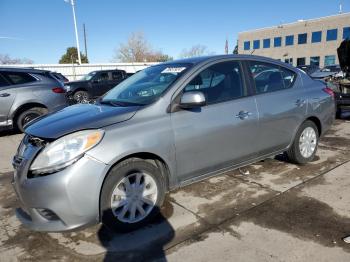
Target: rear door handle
300, 102
243, 115
4, 95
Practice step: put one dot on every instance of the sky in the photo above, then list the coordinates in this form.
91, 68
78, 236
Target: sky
41, 30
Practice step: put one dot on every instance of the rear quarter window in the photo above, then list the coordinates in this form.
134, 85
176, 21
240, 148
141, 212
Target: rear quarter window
18, 78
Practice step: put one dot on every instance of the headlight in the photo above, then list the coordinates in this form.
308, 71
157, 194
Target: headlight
65, 151
67, 87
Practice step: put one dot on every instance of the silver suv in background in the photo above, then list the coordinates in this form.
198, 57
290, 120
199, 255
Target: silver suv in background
26, 94
168, 125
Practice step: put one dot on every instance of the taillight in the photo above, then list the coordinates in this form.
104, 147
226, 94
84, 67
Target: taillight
58, 90
329, 91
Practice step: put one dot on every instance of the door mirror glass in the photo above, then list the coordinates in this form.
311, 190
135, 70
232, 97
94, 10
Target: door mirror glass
192, 99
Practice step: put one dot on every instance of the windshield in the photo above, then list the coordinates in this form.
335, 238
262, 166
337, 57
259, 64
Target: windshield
146, 86
88, 76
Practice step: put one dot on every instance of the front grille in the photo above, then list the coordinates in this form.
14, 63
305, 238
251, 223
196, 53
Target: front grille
26, 153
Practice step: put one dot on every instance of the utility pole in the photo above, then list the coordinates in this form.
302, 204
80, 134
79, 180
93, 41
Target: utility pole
75, 28
86, 54
226, 47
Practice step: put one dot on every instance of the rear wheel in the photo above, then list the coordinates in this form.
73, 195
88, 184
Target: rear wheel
132, 195
29, 115
305, 144
81, 97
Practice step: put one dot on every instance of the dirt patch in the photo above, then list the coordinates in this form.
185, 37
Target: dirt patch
336, 142
302, 217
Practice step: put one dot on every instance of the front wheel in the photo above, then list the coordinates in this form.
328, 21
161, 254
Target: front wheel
132, 195
305, 144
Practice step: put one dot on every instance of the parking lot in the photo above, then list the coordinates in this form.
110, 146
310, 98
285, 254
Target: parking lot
268, 211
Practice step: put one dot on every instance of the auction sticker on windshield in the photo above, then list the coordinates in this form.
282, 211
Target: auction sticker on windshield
173, 70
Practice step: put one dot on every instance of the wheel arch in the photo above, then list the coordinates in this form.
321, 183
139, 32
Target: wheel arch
25, 107
147, 156
80, 89
317, 122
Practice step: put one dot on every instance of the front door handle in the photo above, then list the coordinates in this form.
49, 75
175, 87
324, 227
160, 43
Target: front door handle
243, 115
4, 95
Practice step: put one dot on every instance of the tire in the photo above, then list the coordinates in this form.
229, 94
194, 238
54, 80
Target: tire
81, 97
295, 153
29, 115
116, 218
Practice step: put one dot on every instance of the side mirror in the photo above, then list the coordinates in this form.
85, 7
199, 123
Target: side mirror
192, 99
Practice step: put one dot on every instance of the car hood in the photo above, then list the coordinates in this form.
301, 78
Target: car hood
319, 74
78, 117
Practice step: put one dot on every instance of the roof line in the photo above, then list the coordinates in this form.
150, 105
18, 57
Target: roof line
297, 22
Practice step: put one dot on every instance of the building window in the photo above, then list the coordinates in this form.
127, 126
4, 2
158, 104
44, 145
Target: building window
256, 44
316, 37
277, 41
302, 39
329, 60
301, 61
266, 43
346, 33
289, 40
332, 34
315, 61
289, 61
246, 45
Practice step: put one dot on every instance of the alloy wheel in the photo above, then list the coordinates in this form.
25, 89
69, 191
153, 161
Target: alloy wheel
134, 197
307, 142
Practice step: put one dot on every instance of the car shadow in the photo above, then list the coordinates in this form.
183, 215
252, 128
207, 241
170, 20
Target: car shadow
145, 244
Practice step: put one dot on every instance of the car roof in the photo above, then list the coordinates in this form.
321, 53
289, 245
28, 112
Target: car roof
108, 70
23, 69
213, 58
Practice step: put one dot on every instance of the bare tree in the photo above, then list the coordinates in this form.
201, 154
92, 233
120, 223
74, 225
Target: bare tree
5, 59
196, 50
137, 49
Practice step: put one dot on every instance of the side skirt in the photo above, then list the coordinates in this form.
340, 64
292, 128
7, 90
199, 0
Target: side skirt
228, 169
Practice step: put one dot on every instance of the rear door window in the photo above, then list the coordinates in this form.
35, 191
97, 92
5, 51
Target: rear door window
117, 75
18, 78
269, 77
103, 77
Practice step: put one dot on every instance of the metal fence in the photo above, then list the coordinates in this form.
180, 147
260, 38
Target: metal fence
74, 71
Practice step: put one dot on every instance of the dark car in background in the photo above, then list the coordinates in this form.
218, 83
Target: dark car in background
327, 71
309, 69
26, 94
94, 84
